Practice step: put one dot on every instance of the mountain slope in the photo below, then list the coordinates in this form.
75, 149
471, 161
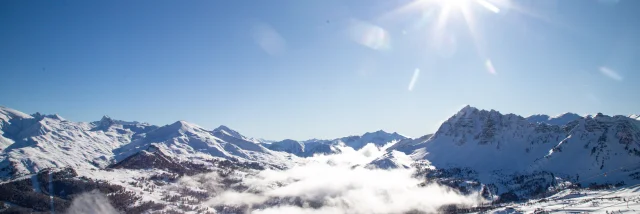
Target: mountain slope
596, 145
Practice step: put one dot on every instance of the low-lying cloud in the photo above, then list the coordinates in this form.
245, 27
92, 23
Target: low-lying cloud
338, 183
91, 202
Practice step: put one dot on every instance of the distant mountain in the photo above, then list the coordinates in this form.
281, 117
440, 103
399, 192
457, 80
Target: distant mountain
378, 138
312, 147
288, 146
307, 148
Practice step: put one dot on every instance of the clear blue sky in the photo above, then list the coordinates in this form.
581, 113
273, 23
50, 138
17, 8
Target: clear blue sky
317, 69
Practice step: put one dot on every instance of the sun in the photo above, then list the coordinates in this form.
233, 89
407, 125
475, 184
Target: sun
440, 35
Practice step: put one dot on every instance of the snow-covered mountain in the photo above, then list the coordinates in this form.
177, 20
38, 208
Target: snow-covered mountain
312, 147
595, 145
488, 140
35, 142
185, 141
31, 143
500, 148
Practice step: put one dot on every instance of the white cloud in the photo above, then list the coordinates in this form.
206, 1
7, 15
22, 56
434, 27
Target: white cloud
297, 210
490, 67
341, 184
369, 35
91, 202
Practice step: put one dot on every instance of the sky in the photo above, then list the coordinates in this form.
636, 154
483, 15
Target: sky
318, 69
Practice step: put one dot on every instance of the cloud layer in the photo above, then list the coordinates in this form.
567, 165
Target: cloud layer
339, 184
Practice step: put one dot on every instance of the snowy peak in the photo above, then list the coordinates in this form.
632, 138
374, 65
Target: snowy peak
381, 133
40, 116
467, 110
184, 127
228, 131
105, 123
471, 124
469, 113
634, 116
288, 146
7, 114
488, 140
306, 148
179, 128
312, 147
378, 138
559, 120
225, 132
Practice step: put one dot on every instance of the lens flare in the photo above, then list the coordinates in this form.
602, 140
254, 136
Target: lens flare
610, 73
488, 6
490, 67
369, 35
414, 78
269, 40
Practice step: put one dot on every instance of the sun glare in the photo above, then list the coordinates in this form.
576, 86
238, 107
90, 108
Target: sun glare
444, 11
453, 3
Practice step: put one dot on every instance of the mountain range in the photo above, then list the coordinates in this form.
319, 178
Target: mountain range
34, 142
501, 155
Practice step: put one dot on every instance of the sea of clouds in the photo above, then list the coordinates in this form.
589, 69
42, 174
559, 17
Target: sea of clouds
342, 184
